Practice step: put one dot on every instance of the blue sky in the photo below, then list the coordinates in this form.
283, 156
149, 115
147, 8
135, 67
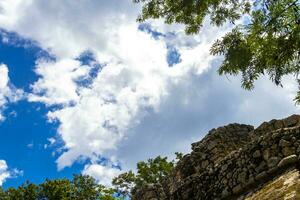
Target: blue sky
24, 135
85, 89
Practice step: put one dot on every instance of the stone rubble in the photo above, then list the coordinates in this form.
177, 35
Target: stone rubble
231, 162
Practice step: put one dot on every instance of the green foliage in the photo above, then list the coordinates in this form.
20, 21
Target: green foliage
109, 194
151, 172
24, 192
269, 43
178, 155
80, 188
86, 188
55, 189
124, 182
192, 12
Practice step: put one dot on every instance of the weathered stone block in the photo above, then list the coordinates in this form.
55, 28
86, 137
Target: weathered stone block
288, 160
261, 176
266, 154
242, 177
287, 151
256, 154
237, 189
273, 161
284, 143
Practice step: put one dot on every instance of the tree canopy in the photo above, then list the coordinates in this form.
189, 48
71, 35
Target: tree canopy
80, 188
152, 171
267, 42
83, 187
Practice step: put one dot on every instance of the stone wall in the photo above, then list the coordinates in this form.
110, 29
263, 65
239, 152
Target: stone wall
231, 162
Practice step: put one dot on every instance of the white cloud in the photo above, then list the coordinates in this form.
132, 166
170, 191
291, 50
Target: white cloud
136, 106
103, 174
66, 28
8, 93
6, 173
51, 142
199, 104
58, 85
131, 83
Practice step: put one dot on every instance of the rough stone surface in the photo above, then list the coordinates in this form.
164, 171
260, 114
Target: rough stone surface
286, 186
288, 160
235, 162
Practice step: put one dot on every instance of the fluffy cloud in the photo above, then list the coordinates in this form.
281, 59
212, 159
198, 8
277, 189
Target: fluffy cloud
8, 93
104, 174
130, 84
135, 105
199, 104
58, 85
65, 28
5, 173
135, 76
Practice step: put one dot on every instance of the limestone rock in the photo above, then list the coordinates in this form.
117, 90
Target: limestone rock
288, 160
273, 161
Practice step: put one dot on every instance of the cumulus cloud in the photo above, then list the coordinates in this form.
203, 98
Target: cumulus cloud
58, 82
6, 173
134, 79
129, 85
103, 174
135, 103
8, 93
66, 28
199, 104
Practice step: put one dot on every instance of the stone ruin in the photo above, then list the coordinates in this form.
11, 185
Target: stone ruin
236, 162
